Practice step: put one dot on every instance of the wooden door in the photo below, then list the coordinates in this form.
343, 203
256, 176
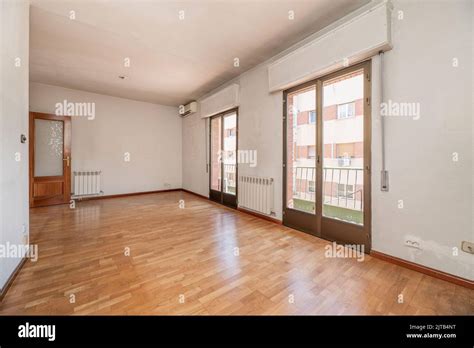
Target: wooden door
50, 159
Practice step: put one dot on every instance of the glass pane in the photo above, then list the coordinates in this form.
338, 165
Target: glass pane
229, 155
48, 148
301, 150
343, 148
216, 145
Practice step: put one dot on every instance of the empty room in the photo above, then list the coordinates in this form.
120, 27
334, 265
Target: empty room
246, 162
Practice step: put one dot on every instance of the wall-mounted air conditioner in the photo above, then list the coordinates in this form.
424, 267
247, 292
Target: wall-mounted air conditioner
187, 109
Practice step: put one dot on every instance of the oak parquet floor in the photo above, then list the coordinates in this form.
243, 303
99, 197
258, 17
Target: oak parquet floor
184, 261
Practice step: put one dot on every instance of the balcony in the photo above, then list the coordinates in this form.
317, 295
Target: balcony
342, 192
229, 178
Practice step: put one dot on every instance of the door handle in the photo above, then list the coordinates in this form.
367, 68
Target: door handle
68, 161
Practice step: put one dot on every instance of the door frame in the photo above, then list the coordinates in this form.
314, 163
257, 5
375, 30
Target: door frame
67, 133
340, 229
308, 222
220, 196
317, 224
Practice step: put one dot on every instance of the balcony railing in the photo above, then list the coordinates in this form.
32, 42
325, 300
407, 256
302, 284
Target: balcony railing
229, 178
304, 185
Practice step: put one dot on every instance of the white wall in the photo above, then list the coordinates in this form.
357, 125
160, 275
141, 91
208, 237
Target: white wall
151, 133
436, 191
260, 128
14, 218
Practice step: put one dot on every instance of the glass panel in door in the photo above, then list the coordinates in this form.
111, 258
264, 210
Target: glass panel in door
216, 153
301, 150
229, 156
343, 148
49, 145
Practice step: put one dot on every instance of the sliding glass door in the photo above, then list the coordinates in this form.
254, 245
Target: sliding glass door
223, 155
327, 156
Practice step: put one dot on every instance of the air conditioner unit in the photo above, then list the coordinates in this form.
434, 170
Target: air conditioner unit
187, 109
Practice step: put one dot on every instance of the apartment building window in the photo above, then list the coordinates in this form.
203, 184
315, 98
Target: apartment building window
346, 110
350, 191
312, 117
345, 191
311, 186
311, 151
341, 190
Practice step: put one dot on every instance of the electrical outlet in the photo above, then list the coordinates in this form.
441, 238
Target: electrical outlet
467, 247
413, 242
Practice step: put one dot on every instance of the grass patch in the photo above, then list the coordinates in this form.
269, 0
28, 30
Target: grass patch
350, 215
301, 204
331, 211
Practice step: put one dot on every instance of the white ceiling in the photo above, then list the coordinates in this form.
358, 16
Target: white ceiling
172, 61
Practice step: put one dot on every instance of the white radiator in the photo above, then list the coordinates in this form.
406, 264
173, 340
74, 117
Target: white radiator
86, 183
256, 193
